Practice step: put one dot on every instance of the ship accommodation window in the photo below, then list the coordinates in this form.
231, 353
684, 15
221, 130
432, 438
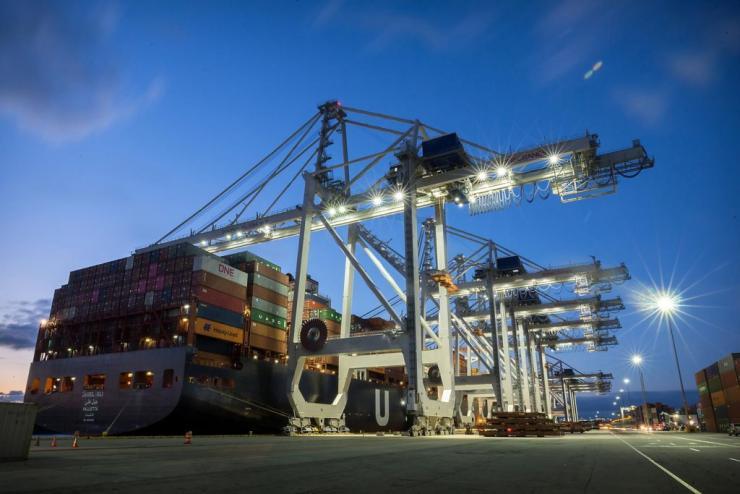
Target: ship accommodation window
125, 380
35, 385
168, 378
68, 384
94, 381
143, 379
50, 386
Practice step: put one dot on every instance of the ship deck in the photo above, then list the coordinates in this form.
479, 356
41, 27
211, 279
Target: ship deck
597, 461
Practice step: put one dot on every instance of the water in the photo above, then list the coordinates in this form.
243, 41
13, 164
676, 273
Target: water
589, 404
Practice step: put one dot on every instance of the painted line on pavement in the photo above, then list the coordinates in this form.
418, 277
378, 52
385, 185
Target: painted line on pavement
733, 459
668, 472
709, 442
693, 449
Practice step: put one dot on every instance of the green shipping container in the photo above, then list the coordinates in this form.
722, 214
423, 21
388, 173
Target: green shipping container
269, 319
330, 314
703, 389
268, 307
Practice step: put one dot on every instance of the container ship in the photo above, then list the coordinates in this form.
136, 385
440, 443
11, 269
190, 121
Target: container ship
179, 339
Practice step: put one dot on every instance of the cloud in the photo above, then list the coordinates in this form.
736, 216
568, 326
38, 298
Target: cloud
696, 68
60, 78
571, 34
647, 105
390, 27
19, 323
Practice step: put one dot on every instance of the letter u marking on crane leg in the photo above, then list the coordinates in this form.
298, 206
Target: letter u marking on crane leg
382, 420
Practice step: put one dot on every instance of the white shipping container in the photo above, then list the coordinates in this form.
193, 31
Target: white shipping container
214, 266
16, 429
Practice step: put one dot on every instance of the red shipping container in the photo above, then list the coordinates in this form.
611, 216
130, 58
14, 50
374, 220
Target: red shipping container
732, 396
700, 377
729, 379
219, 299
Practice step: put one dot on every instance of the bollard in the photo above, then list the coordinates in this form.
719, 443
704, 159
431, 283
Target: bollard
189, 437
53, 441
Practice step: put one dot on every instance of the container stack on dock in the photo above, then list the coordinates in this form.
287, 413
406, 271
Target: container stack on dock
519, 424
719, 393
267, 305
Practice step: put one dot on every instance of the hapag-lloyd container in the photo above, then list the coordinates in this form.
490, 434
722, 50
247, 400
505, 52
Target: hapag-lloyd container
221, 315
221, 269
214, 329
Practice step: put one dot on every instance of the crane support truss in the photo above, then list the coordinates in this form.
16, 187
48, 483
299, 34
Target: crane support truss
485, 179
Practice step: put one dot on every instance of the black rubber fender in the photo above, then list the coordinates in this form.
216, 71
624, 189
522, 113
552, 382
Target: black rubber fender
313, 334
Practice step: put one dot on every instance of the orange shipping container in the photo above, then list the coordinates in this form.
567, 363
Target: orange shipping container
263, 343
219, 299
204, 278
218, 330
257, 267
259, 329
267, 294
718, 398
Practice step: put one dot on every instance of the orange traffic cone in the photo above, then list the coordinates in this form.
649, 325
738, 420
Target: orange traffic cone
74, 443
53, 441
189, 437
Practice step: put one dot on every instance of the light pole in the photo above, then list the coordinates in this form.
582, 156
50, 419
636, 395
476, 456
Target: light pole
637, 362
667, 305
626, 381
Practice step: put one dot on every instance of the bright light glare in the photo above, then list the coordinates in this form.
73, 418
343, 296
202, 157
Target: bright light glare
398, 195
482, 175
377, 200
636, 359
342, 209
332, 211
502, 171
626, 380
553, 159
666, 303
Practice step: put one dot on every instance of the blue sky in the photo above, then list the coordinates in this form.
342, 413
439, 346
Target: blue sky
119, 119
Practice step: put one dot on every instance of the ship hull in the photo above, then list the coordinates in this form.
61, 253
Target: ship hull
200, 398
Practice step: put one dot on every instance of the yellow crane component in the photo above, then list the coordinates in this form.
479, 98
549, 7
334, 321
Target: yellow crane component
443, 278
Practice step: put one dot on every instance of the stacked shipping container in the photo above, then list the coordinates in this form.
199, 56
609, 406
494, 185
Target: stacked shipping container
128, 304
267, 304
719, 393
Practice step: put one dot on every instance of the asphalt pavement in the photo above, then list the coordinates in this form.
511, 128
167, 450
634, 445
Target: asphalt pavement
596, 461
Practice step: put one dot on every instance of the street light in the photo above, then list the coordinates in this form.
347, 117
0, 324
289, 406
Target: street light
637, 362
667, 304
626, 381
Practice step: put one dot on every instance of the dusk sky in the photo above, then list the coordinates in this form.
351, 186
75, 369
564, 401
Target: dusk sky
117, 120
